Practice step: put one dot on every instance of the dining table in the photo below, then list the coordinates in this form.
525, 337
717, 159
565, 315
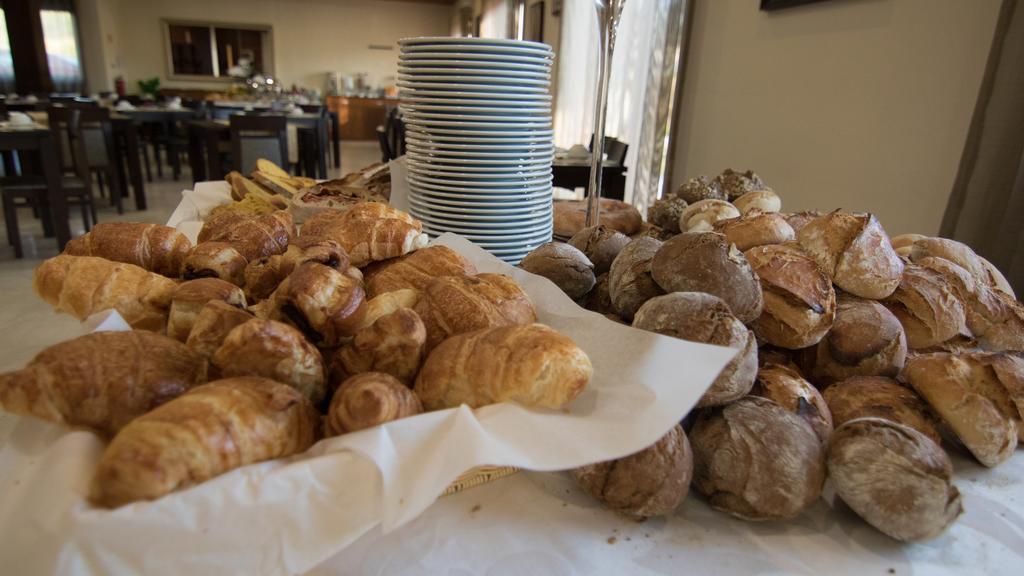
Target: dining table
37, 139
307, 144
164, 118
574, 172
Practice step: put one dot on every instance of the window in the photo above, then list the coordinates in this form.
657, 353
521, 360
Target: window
60, 36
6, 62
211, 51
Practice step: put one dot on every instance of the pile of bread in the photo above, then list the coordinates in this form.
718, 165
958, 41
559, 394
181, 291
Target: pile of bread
270, 188
860, 357
260, 339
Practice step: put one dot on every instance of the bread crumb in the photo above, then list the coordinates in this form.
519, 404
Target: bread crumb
475, 508
612, 540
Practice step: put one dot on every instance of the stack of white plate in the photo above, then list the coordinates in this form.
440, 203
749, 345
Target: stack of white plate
479, 139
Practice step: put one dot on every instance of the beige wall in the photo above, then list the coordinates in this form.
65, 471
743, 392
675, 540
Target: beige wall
853, 104
310, 37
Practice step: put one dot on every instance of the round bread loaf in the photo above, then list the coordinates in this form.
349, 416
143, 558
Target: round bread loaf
564, 265
600, 244
880, 397
855, 252
787, 388
865, 340
956, 252
927, 307
665, 213
701, 216
760, 200
706, 262
768, 354
651, 482
798, 220
904, 243
999, 282
966, 394
735, 184
894, 477
571, 217
699, 188
598, 299
700, 317
630, 283
799, 302
756, 460
756, 229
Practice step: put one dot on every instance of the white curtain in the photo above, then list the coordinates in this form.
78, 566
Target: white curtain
627, 93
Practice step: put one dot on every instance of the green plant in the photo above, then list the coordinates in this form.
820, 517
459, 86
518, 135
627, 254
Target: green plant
149, 86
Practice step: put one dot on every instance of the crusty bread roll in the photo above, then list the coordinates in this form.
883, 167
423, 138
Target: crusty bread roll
599, 299
798, 220
630, 283
975, 405
756, 460
395, 345
928, 308
855, 251
212, 324
894, 477
735, 183
190, 296
999, 282
213, 429
651, 482
881, 397
707, 262
799, 302
453, 305
529, 364
994, 318
700, 188
159, 249
324, 304
760, 200
756, 229
700, 317
701, 216
367, 400
571, 217
957, 252
904, 243
415, 270
102, 380
866, 339
600, 244
664, 213
787, 388
215, 260
563, 264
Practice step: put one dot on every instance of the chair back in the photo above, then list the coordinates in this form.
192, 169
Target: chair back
96, 133
392, 139
65, 123
614, 149
255, 137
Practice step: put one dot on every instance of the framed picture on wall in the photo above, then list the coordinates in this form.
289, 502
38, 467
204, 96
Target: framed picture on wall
534, 26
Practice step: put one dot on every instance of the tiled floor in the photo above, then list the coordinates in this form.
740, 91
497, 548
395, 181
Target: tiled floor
27, 324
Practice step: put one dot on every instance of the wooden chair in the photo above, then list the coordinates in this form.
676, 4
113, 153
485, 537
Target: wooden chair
391, 136
64, 123
614, 149
98, 138
254, 137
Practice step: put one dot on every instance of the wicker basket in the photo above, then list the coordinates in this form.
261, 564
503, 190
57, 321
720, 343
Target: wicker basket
477, 476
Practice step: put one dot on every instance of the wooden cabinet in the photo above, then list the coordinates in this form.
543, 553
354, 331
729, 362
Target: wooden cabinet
358, 118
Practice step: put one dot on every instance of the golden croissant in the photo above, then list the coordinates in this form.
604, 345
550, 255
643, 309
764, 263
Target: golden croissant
370, 399
102, 380
213, 429
156, 248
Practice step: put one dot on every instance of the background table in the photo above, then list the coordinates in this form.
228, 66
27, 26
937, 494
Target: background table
40, 140
571, 173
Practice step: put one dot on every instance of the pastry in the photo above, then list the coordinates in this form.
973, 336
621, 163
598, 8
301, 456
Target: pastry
894, 477
880, 397
369, 232
756, 229
395, 345
253, 236
415, 270
651, 482
263, 276
701, 216
700, 188
855, 252
529, 364
272, 350
571, 217
927, 307
189, 298
215, 260
706, 262
156, 248
600, 245
387, 303
324, 304
630, 283
799, 302
700, 317
367, 400
212, 324
787, 388
84, 285
453, 305
213, 429
563, 264
102, 380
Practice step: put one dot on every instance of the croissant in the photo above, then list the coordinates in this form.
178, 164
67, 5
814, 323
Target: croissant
367, 400
212, 325
84, 285
213, 429
102, 380
455, 304
272, 350
324, 304
215, 260
415, 270
530, 364
394, 345
253, 236
367, 239
190, 297
388, 302
156, 248
263, 276
325, 220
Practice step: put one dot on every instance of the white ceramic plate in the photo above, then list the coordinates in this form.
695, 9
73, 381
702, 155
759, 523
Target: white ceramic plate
505, 229
471, 95
454, 55
494, 130
536, 138
424, 73
449, 40
510, 195
520, 164
510, 77
429, 110
505, 241
427, 144
438, 103
485, 213
473, 64
482, 185
495, 45
452, 86
427, 170
485, 204
466, 220
486, 158
414, 115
